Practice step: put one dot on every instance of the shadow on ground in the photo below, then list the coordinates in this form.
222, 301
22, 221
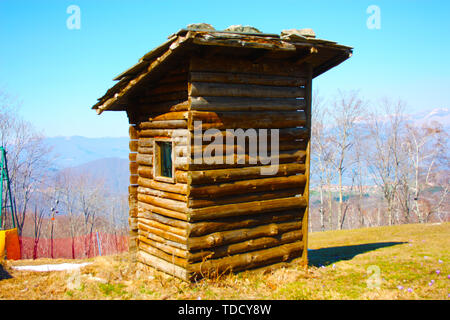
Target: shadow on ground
326, 256
4, 274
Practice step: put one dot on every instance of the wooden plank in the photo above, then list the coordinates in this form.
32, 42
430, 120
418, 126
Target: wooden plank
253, 185
248, 197
245, 104
232, 236
233, 174
244, 78
208, 89
162, 194
244, 221
145, 207
231, 161
246, 246
163, 265
163, 133
164, 124
235, 64
144, 159
246, 208
203, 120
247, 260
165, 203
179, 188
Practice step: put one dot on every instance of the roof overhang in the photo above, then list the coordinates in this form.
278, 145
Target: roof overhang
321, 54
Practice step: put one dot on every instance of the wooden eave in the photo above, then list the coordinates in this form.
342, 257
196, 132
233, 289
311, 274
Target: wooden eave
321, 54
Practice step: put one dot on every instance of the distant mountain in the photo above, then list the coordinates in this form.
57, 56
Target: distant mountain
76, 150
113, 171
441, 115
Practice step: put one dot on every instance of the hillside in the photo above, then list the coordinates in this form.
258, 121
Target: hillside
398, 262
77, 150
113, 171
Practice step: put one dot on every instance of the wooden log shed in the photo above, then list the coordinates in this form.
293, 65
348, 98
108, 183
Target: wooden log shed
193, 218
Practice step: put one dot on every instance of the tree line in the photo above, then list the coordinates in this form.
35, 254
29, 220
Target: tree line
372, 166
52, 203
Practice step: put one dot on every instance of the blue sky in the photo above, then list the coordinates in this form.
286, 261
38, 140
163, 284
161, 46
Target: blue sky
57, 74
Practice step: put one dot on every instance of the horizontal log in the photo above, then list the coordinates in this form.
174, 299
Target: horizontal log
244, 186
179, 115
167, 220
145, 171
232, 236
284, 134
164, 247
246, 104
246, 208
163, 255
245, 160
145, 150
247, 260
203, 120
161, 233
162, 194
163, 265
242, 65
179, 188
163, 133
143, 208
156, 238
245, 173
164, 124
246, 246
205, 147
144, 159
146, 142
247, 197
165, 203
244, 78
231, 223
161, 226
209, 89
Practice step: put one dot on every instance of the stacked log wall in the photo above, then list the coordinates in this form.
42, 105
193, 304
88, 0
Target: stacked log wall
220, 217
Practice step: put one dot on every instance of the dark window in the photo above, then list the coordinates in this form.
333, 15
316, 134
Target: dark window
165, 158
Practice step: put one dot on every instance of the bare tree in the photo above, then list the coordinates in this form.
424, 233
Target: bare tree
320, 149
385, 126
38, 218
347, 110
27, 154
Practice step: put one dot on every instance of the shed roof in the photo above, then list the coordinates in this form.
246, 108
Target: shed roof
297, 47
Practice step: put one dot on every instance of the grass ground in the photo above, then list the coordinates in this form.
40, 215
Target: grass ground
398, 262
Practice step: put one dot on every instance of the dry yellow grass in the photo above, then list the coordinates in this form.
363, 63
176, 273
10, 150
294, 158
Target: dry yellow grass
399, 262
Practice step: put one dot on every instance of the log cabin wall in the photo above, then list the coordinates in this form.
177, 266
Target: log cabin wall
193, 219
241, 219
214, 218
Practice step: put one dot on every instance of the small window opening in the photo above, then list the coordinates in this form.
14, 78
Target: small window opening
164, 158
